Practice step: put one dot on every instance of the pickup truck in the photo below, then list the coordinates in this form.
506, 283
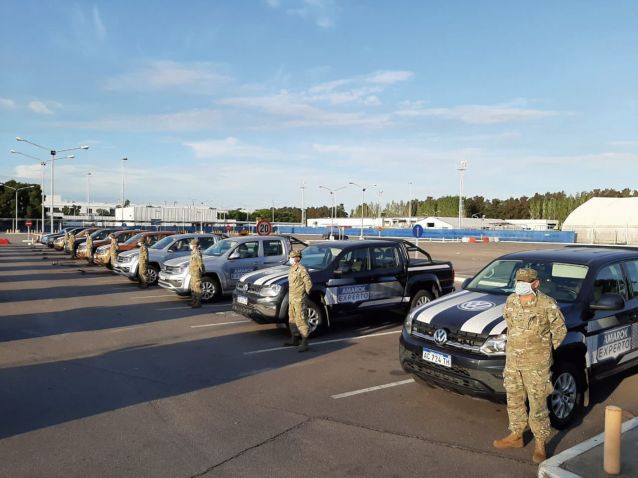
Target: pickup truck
225, 262
348, 277
168, 248
459, 341
101, 256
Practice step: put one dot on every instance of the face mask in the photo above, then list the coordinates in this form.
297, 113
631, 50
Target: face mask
192, 248
523, 288
291, 261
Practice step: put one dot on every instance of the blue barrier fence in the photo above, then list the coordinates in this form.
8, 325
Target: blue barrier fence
446, 234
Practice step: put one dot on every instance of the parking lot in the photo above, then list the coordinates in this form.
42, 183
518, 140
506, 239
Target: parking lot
99, 377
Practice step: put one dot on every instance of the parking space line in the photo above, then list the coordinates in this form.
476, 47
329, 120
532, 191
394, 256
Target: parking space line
189, 307
372, 389
220, 323
356, 337
152, 296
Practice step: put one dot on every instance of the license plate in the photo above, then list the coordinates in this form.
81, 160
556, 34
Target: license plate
437, 357
242, 300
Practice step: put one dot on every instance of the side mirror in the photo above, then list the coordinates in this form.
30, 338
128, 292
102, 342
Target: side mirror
608, 302
466, 282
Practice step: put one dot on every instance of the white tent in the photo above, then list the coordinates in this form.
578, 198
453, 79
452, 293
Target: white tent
605, 221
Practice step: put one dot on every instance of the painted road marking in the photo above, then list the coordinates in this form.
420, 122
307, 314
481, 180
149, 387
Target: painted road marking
357, 337
125, 329
189, 307
220, 323
372, 389
152, 296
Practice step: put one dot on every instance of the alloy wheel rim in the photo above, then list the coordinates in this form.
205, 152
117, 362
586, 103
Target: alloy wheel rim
563, 399
422, 300
208, 290
313, 319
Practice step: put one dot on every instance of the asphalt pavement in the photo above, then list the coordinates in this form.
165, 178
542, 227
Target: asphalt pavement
100, 378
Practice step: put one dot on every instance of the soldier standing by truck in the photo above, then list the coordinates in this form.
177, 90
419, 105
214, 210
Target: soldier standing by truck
299, 285
196, 267
142, 270
89, 248
535, 326
113, 250
72, 245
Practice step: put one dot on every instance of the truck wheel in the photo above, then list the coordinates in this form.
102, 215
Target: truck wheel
210, 289
152, 272
567, 399
421, 297
314, 317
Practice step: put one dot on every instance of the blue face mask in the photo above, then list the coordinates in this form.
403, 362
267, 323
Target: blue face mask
523, 288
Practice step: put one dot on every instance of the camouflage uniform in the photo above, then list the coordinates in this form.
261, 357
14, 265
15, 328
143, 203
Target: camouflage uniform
533, 330
142, 268
89, 247
196, 267
299, 285
72, 245
113, 251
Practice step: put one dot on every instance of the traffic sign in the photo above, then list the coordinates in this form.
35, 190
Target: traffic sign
29, 223
417, 231
264, 228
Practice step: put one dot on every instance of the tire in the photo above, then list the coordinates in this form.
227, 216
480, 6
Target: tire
210, 289
421, 297
314, 318
566, 402
153, 273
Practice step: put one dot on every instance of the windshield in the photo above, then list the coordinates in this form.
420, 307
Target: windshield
163, 243
319, 256
220, 248
134, 239
101, 234
558, 280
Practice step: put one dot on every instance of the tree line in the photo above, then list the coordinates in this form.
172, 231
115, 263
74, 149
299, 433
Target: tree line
555, 206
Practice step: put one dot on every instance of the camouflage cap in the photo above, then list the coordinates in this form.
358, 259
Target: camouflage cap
526, 275
295, 254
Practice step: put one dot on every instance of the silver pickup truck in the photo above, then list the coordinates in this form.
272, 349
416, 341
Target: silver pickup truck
163, 250
225, 262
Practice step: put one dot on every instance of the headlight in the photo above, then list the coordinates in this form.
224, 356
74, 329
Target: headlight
242, 286
101, 250
125, 258
270, 290
407, 323
495, 345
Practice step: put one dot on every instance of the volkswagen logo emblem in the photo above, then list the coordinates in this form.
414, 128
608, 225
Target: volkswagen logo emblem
440, 336
476, 305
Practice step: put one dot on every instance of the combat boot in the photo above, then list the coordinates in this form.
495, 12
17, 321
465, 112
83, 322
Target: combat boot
196, 302
539, 451
293, 342
304, 345
513, 440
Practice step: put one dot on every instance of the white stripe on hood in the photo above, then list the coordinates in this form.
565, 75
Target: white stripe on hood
445, 303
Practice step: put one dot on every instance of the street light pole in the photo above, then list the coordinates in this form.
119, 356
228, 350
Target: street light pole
42, 163
363, 202
88, 195
333, 193
53, 153
303, 210
122, 199
17, 190
462, 166
410, 205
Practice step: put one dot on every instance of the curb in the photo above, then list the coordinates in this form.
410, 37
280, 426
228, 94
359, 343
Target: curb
551, 468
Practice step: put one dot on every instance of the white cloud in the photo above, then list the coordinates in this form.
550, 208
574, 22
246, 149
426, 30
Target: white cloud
230, 148
479, 114
7, 103
191, 120
198, 77
273, 3
100, 29
322, 12
299, 113
39, 107
389, 77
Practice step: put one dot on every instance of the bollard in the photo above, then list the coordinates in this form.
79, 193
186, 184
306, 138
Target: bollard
613, 418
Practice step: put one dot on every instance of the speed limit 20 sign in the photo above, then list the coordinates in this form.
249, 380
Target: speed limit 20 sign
264, 228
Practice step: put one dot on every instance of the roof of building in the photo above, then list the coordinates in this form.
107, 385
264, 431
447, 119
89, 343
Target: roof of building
604, 212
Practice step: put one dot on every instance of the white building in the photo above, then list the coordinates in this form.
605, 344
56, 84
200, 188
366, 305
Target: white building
167, 215
605, 221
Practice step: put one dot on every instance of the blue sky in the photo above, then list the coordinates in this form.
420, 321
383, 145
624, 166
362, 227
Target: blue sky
236, 103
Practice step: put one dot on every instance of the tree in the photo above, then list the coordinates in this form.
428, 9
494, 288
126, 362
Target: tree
29, 200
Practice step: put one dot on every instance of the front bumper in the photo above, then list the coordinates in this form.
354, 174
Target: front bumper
263, 310
126, 269
470, 374
101, 259
174, 283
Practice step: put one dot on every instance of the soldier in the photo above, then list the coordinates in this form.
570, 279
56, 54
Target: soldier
72, 245
535, 326
112, 251
142, 267
88, 255
299, 285
196, 267
66, 239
